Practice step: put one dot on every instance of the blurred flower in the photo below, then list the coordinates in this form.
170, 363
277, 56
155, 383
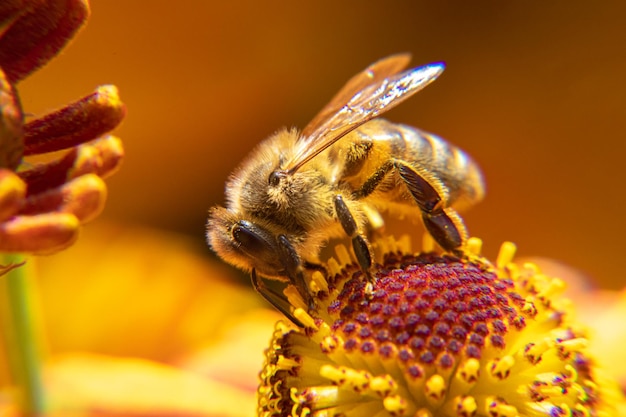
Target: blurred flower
137, 323
435, 335
42, 206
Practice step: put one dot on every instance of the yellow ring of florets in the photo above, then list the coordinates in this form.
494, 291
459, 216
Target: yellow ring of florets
539, 368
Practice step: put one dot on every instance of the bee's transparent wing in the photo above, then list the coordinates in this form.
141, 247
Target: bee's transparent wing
376, 72
371, 100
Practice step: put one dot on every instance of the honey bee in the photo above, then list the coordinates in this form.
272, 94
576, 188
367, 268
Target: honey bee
297, 190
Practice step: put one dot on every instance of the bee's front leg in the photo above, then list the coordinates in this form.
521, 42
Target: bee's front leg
359, 244
273, 297
295, 269
443, 223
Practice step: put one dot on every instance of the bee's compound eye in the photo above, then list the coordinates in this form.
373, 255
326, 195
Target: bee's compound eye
275, 177
252, 240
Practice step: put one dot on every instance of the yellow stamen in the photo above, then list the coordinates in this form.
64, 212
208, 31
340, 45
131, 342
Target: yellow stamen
305, 318
506, 255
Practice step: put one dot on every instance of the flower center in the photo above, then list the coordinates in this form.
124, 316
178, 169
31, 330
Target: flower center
428, 310
433, 336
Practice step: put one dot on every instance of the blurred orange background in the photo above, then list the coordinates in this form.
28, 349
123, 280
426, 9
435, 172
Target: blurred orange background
534, 91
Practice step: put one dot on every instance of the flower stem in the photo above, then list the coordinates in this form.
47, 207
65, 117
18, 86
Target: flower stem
22, 333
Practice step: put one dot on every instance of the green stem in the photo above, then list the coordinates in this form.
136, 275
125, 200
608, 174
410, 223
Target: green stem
22, 331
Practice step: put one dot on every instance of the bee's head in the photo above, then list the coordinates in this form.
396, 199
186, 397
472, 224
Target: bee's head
246, 244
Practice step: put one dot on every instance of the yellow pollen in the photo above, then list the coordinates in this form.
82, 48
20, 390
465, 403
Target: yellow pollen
281, 329
533, 351
583, 411
323, 332
330, 343
529, 308
383, 385
435, 388
333, 267
343, 376
501, 368
314, 287
506, 255
571, 372
567, 411
294, 297
285, 364
545, 388
295, 398
318, 279
325, 397
469, 371
532, 268
567, 347
395, 404
357, 380
474, 246
498, 408
305, 318
465, 406
554, 287
332, 373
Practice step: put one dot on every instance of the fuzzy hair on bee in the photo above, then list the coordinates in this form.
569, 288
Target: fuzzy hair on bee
299, 189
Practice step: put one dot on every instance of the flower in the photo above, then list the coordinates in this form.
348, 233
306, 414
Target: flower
42, 206
137, 323
434, 335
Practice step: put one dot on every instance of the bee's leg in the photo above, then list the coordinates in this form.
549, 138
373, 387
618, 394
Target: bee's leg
359, 244
274, 298
447, 228
443, 223
295, 269
315, 267
372, 182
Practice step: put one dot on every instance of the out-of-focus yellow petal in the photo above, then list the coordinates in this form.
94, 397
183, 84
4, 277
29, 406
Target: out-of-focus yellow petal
605, 314
98, 385
134, 291
236, 357
168, 332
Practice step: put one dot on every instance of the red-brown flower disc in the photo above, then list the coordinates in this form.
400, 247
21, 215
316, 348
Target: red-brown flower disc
433, 335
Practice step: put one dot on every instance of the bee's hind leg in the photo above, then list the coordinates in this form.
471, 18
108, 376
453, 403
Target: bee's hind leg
443, 223
359, 244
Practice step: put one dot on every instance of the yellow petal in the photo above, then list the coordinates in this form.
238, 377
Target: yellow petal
237, 355
86, 384
173, 300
